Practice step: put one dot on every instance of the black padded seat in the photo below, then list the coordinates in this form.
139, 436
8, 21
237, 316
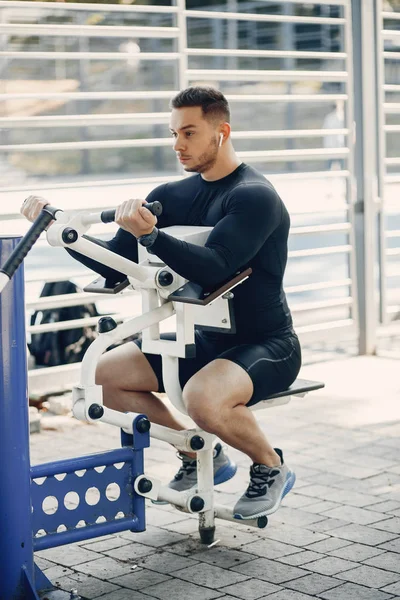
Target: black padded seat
300, 386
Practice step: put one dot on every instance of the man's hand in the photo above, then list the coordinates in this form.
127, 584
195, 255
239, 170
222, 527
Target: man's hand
136, 219
32, 207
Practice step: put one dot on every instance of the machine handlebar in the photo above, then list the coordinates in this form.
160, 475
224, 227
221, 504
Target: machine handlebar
46, 216
108, 216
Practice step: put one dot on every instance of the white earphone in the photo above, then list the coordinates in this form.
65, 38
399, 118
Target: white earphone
221, 137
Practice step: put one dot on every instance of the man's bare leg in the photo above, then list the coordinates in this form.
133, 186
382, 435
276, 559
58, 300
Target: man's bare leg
216, 399
128, 380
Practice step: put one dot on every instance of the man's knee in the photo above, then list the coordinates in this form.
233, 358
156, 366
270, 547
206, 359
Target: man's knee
126, 368
200, 407
105, 370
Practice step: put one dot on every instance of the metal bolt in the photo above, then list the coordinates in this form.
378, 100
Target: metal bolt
224, 320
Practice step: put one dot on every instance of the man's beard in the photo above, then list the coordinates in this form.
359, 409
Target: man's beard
207, 160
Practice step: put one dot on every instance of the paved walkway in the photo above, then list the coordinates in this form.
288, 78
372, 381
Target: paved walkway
335, 537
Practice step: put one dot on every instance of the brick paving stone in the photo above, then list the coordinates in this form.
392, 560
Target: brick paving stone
352, 498
140, 579
227, 598
251, 589
393, 588
300, 558
224, 557
104, 568
189, 547
56, 572
356, 552
100, 538
313, 584
393, 545
231, 537
187, 527
107, 544
294, 535
328, 545
165, 562
354, 514
87, 586
210, 576
327, 524
154, 536
390, 561
69, 555
351, 591
383, 482
355, 471
123, 594
269, 570
288, 595
130, 552
43, 563
294, 500
176, 589
362, 534
330, 565
323, 492
330, 479
156, 517
369, 576
392, 525
271, 549
321, 506
386, 507
297, 517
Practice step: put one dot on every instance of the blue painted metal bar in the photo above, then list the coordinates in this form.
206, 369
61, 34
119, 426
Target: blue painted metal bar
60, 517
17, 572
69, 465
85, 533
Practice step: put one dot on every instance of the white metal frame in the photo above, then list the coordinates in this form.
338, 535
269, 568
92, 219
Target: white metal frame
157, 307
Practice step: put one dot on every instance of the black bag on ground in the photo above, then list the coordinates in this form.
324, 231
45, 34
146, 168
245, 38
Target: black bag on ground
52, 348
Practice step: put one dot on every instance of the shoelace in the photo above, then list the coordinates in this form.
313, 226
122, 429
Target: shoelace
259, 482
187, 467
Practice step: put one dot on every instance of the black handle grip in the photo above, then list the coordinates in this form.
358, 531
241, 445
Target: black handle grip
16, 258
108, 216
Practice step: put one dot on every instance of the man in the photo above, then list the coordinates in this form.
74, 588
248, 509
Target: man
231, 370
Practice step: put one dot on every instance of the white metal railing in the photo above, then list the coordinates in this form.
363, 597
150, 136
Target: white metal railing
389, 172
286, 86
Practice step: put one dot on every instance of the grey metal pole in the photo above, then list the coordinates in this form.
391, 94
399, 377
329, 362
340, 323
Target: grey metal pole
365, 112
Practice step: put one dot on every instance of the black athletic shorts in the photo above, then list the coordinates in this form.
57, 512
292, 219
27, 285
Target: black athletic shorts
272, 365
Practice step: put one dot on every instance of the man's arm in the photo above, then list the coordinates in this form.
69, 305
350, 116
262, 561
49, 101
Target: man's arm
254, 212
123, 243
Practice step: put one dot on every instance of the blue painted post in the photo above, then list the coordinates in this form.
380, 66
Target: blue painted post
16, 547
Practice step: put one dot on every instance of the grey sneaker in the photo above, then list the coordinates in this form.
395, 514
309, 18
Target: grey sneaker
267, 487
186, 477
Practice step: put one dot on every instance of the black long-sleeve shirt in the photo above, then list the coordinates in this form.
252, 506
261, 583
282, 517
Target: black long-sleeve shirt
250, 229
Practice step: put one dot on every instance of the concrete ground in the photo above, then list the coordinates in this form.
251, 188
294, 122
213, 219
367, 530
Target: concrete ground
335, 537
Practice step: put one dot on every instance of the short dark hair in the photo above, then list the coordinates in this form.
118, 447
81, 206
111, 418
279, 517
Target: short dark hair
213, 103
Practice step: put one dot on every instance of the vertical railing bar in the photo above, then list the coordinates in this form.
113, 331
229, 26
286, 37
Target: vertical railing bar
381, 166
350, 182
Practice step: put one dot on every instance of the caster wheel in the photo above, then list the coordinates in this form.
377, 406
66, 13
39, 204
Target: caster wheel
262, 522
207, 535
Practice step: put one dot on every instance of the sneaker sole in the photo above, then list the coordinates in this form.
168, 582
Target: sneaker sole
290, 481
223, 474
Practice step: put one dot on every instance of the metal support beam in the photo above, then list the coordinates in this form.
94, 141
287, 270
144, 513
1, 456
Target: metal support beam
364, 20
